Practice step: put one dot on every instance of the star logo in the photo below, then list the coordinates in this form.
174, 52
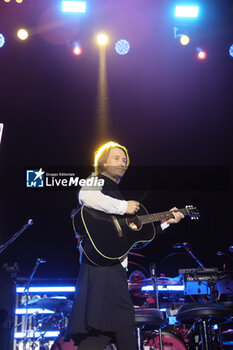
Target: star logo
35, 178
39, 174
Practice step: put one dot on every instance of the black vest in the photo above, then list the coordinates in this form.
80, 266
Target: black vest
110, 189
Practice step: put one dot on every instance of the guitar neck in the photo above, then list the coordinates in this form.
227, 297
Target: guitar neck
165, 215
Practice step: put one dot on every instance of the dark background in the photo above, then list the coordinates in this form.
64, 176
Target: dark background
172, 111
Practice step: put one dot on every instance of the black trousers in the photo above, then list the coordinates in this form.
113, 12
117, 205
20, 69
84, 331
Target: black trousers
94, 340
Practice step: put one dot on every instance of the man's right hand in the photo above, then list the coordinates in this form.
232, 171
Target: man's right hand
133, 207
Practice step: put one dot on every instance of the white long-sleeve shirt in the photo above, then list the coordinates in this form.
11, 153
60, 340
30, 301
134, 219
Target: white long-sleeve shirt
97, 200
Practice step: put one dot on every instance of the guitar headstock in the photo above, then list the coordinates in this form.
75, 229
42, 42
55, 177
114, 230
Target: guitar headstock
192, 211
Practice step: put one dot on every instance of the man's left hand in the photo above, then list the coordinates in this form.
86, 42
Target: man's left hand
177, 216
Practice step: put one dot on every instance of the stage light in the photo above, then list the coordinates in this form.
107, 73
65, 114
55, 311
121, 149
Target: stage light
1, 131
186, 11
23, 311
122, 47
46, 289
22, 34
33, 334
19, 1
231, 50
102, 39
184, 39
7, 0
201, 55
77, 50
2, 40
74, 6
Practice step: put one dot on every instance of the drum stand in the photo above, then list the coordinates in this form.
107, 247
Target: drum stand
152, 318
26, 291
156, 296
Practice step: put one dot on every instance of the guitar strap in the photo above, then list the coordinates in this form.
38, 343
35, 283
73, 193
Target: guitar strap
78, 235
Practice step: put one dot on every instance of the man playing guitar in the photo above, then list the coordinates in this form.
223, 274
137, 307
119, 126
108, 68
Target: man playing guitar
103, 311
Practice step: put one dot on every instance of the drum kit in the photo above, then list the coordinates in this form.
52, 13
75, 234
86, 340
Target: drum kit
59, 308
175, 336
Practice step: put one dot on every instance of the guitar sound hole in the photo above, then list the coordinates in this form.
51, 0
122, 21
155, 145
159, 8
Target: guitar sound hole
134, 223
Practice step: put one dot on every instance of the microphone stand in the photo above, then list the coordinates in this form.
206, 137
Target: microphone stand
156, 295
188, 250
26, 291
16, 235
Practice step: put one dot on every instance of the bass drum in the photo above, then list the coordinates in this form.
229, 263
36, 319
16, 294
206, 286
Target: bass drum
60, 344
170, 342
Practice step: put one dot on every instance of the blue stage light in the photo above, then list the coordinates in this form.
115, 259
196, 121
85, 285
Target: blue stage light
74, 6
186, 11
122, 47
23, 311
231, 50
2, 40
32, 334
46, 289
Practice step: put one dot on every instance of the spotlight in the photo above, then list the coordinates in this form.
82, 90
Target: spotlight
77, 50
102, 39
2, 40
186, 11
201, 54
19, 1
184, 39
231, 50
122, 47
74, 6
22, 34
7, 0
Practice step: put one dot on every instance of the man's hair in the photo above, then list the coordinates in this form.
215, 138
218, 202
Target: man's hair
101, 156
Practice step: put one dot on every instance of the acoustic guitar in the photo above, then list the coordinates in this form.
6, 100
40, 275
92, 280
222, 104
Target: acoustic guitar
113, 236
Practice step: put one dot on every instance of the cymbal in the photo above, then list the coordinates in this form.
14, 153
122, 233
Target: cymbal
53, 303
164, 280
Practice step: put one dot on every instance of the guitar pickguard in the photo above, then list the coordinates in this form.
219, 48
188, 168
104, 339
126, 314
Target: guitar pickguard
117, 226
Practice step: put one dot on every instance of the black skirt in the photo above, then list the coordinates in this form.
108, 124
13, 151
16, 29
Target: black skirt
102, 301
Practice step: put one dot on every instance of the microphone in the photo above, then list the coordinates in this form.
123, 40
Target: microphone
180, 245
228, 256
152, 269
231, 249
41, 261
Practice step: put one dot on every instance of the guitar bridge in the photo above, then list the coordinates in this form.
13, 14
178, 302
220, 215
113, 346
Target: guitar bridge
117, 225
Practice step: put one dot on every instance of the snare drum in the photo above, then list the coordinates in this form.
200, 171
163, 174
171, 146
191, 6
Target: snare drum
170, 342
